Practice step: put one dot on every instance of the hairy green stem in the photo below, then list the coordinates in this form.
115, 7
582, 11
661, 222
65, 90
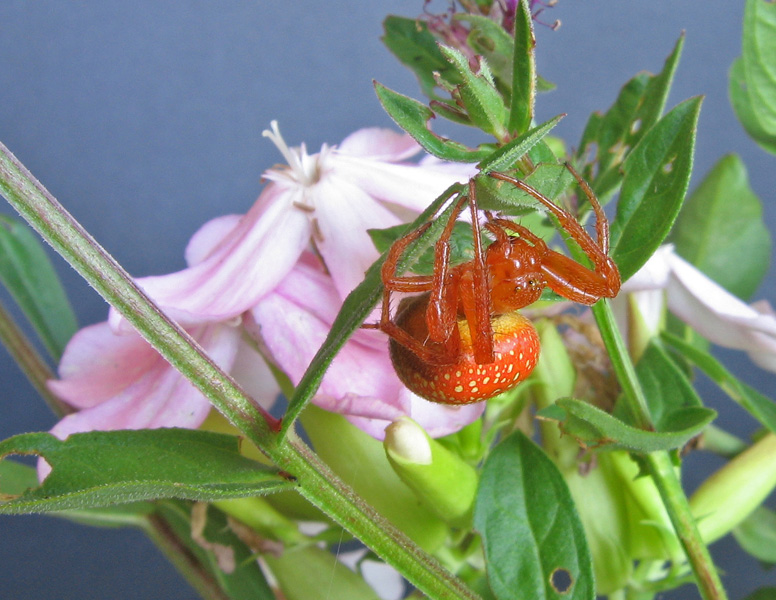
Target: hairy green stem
316, 481
30, 361
659, 464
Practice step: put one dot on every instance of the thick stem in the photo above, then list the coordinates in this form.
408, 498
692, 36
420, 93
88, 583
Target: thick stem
316, 481
659, 464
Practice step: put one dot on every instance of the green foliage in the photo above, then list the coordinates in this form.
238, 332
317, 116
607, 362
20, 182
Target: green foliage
414, 45
30, 278
753, 76
611, 136
720, 229
760, 407
521, 110
212, 542
757, 535
533, 538
657, 173
102, 468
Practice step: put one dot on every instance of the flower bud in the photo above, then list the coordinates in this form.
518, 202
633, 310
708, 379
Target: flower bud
734, 491
441, 480
360, 461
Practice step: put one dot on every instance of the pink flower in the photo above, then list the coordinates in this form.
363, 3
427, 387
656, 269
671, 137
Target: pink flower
332, 197
719, 316
255, 273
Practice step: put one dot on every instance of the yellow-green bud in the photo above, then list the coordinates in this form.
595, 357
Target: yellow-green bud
441, 480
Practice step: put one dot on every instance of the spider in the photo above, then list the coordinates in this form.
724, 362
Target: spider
462, 339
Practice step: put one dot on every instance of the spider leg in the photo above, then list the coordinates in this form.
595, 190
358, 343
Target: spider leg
564, 275
475, 297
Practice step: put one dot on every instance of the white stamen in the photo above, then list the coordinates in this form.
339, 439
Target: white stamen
303, 167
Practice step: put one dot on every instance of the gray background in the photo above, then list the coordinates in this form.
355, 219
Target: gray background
145, 120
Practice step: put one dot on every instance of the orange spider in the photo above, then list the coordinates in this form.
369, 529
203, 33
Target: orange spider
462, 340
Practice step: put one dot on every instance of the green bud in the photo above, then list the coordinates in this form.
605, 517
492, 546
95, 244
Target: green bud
308, 572
441, 480
259, 515
360, 461
733, 492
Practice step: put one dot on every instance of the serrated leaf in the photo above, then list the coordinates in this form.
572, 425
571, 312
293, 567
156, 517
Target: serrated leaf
521, 110
30, 278
676, 410
413, 117
760, 407
414, 45
101, 468
757, 535
478, 95
506, 156
637, 108
720, 229
657, 173
741, 101
594, 428
534, 541
357, 306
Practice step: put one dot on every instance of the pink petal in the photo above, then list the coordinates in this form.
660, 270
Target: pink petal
241, 269
344, 214
379, 144
360, 383
410, 186
158, 396
208, 237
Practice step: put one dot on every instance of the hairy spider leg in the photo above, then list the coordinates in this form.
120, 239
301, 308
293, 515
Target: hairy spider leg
564, 275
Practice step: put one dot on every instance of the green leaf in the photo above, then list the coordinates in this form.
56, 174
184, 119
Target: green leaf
720, 229
30, 278
675, 409
413, 117
102, 468
757, 535
594, 428
414, 45
216, 547
357, 307
478, 95
508, 154
760, 407
759, 63
768, 593
521, 110
491, 41
534, 541
637, 108
741, 101
657, 173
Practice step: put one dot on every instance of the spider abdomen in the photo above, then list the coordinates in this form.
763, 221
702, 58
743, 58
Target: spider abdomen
463, 381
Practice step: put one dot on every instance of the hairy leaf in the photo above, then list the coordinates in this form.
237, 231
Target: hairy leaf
657, 173
101, 468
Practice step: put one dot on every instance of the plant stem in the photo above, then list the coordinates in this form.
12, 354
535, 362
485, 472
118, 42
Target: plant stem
30, 361
659, 464
316, 481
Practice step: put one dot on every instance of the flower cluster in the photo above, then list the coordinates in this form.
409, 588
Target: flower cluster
267, 285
